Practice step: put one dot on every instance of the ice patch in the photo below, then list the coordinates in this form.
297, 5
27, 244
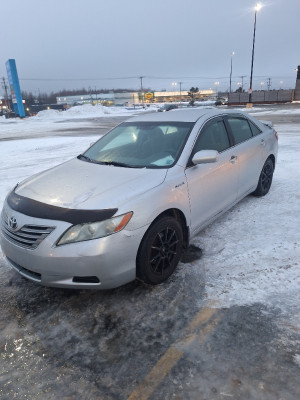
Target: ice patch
297, 359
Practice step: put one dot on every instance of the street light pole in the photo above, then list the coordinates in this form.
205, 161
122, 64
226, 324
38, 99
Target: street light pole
141, 78
217, 84
257, 8
243, 76
232, 54
180, 83
174, 87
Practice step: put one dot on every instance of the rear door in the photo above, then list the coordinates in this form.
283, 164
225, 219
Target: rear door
249, 149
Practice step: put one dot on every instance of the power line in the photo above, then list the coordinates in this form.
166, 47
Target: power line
75, 79
152, 77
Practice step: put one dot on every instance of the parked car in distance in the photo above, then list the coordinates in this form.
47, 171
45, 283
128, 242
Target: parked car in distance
167, 107
221, 101
128, 206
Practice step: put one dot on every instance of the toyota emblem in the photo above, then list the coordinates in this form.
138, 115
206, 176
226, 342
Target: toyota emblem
13, 223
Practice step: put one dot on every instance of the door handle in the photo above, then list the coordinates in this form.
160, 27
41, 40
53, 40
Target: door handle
233, 159
262, 142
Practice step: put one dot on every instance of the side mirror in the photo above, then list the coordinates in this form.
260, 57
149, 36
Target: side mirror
205, 157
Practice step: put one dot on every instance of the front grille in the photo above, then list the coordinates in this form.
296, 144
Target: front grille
28, 236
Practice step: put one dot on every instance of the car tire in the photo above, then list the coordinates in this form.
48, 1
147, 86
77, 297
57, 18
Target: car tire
265, 179
160, 251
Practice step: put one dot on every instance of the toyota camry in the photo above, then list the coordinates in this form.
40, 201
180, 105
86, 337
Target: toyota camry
128, 206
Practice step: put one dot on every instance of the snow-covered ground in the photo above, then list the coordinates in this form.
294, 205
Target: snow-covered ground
251, 254
52, 120
83, 116
266, 111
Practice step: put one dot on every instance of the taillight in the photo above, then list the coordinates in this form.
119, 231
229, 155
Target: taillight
276, 134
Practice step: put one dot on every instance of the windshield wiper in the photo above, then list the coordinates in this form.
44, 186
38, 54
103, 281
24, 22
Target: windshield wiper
83, 157
117, 164
114, 163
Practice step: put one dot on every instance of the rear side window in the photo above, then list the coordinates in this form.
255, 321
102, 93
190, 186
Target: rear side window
255, 130
213, 137
240, 129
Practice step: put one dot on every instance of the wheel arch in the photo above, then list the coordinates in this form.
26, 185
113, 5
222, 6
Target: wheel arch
180, 217
143, 271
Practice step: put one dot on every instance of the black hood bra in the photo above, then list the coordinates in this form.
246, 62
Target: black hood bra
36, 209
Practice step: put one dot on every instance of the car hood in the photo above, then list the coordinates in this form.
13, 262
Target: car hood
79, 184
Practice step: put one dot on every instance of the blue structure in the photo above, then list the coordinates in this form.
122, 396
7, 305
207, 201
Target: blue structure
14, 85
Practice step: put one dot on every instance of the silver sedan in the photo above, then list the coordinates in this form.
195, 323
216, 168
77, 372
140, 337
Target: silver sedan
128, 206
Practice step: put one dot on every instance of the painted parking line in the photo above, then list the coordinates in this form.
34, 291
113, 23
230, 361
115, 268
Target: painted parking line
198, 329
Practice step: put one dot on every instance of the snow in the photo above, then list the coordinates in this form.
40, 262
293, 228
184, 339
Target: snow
277, 112
297, 359
86, 111
23, 158
250, 255
52, 120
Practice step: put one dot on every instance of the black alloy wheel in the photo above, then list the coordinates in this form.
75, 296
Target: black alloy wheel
265, 179
160, 251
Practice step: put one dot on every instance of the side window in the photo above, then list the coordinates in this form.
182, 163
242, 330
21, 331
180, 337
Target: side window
240, 129
212, 137
255, 130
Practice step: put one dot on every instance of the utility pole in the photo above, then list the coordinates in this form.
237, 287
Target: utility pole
141, 78
232, 54
269, 83
180, 83
242, 77
91, 96
257, 8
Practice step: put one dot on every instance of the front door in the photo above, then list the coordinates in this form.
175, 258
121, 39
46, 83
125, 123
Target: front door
212, 187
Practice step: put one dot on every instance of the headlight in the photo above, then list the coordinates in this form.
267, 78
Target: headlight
95, 230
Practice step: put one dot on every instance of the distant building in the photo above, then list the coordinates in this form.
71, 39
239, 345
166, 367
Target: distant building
297, 89
33, 109
4, 106
162, 97
99, 98
131, 98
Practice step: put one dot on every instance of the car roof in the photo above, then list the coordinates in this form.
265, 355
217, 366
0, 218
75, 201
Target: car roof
182, 114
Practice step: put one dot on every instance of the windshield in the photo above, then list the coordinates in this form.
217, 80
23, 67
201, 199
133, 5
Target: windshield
140, 145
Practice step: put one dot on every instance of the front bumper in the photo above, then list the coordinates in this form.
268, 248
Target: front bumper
103, 263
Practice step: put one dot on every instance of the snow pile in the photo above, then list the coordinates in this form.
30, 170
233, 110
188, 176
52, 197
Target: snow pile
205, 103
47, 121
254, 110
48, 115
87, 111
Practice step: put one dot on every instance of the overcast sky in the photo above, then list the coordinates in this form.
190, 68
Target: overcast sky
84, 43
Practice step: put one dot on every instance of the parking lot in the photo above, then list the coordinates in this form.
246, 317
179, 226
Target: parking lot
225, 325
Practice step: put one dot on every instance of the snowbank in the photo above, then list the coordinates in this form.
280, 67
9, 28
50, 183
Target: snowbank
88, 111
47, 120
